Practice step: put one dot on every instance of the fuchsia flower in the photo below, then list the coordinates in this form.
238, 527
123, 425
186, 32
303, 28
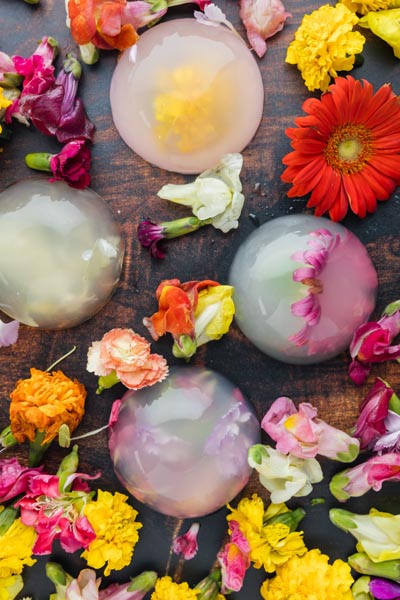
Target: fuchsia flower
300, 432
71, 164
57, 111
356, 481
53, 505
186, 545
384, 589
262, 19
14, 478
370, 425
8, 333
371, 343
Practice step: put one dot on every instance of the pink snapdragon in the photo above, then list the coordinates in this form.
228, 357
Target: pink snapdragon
124, 356
14, 478
358, 480
372, 341
262, 19
186, 545
301, 433
370, 425
234, 564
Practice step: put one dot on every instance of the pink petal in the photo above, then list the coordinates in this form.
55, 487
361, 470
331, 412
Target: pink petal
186, 545
8, 333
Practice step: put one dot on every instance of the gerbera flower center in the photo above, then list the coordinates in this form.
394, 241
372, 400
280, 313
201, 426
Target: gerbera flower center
349, 148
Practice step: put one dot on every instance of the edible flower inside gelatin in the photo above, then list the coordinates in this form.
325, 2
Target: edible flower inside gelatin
310, 576
194, 312
324, 45
300, 432
124, 356
345, 150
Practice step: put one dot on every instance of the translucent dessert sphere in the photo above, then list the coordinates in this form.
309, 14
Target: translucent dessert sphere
181, 445
302, 286
61, 253
186, 94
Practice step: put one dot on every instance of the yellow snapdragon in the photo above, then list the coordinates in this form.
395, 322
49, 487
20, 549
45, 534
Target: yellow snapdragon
16, 549
114, 523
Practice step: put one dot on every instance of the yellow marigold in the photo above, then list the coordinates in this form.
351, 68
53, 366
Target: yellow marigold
364, 6
324, 44
270, 545
166, 589
16, 549
10, 587
114, 523
309, 576
43, 403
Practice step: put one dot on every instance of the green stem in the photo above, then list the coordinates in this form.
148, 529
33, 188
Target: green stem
290, 518
39, 161
106, 381
60, 359
37, 449
178, 227
143, 582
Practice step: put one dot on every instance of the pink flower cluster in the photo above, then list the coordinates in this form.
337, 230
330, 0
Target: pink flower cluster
378, 429
51, 104
51, 504
126, 354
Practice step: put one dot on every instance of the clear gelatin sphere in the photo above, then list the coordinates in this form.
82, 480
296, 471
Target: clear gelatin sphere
186, 94
302, 286
181, 445
61, 253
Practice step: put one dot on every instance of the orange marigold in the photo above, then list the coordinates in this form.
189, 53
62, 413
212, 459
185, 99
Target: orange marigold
43, 403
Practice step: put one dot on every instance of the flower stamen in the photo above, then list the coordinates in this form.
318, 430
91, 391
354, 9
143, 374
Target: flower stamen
349, 148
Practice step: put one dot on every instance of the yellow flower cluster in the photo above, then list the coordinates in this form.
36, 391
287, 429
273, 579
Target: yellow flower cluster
4, 103
325, 44
309, 576
16, 549
114, 523
166, 589
364, 6
270, 545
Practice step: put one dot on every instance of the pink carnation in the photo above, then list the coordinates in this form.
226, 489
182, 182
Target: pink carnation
128, 355
262, 19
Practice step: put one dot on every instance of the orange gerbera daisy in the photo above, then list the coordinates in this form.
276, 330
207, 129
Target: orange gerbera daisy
346, 150
43, 403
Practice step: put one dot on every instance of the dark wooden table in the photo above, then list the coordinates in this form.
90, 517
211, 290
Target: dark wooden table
129, 185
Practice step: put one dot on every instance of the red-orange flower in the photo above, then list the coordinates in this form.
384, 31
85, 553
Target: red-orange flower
101, 22
43, 403
346, 150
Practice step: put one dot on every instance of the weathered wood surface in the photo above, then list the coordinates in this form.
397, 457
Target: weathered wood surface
129, 185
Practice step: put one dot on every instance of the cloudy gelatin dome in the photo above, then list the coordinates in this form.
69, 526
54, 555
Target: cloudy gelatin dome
186, 94
302, 286
181, 445
61, 253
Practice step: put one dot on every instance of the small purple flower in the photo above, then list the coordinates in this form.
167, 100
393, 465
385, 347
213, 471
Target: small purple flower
186, 545
384, 589
150, 235
371, 343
